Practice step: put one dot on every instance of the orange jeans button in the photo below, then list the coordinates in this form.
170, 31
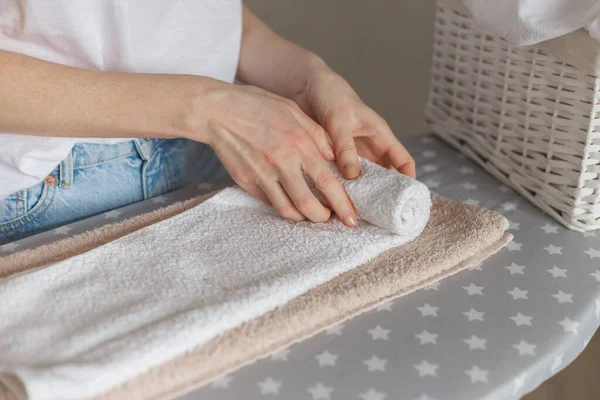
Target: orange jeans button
50, 180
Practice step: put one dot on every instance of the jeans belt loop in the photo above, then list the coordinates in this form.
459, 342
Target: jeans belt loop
146, 147
65, 169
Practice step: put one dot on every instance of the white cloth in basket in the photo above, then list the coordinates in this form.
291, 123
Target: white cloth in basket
525, 22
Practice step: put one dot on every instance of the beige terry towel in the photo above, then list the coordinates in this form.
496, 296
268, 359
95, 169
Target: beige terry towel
456, 237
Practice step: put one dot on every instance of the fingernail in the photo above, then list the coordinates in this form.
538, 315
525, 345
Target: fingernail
329, 151
350, 220
351, 171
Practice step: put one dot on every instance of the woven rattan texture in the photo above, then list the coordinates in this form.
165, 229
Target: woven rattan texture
529, 119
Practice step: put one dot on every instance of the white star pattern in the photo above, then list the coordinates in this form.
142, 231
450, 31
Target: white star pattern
521, 319
281, 355
550, 229
426, 369
514, 246
589, 234
558, 272
426, 337
517, 293
596, 275
8, 247
63, 230
552, 249
477, 374
563, 297
372, 394
509, 206
375, 363
514, 226
569, 325
428, 154
159, 200
471, 202
558, 360
387, 306
466, 170
379, 333
114, 214
326, 359
473, 289
335, 330
428, 310
432, 183
476, 343
221, 383
525, 349
474, 315
426, 140
429, 168
593, 253
515, 269
269, 386
320, 392
469, 186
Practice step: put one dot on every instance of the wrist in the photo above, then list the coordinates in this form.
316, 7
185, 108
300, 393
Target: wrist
320, 84
312, 70
197, 105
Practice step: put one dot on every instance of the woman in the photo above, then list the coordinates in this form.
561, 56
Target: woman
107, 102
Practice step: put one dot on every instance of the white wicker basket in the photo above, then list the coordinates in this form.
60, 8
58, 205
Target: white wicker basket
529, 119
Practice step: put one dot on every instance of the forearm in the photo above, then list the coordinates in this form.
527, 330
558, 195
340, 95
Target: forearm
273, 63
43, 98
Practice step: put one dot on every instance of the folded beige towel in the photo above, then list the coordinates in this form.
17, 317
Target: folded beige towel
456, 237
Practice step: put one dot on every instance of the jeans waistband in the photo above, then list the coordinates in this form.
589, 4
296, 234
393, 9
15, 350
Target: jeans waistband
84, 155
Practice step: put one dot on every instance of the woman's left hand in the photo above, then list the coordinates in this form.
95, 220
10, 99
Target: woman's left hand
353, 127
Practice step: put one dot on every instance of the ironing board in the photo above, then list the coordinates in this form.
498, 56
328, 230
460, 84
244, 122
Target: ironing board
496, 331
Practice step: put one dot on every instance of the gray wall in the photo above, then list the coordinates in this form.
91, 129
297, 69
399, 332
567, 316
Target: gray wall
382, 47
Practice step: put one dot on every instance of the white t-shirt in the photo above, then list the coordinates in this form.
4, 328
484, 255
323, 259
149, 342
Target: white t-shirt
200, 37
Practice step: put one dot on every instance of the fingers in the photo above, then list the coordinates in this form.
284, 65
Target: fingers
345, 153
401, 159
334, 192
305, 201
281, 202
258, 193
317, 134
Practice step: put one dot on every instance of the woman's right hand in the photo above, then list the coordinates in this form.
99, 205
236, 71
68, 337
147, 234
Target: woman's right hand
266, 143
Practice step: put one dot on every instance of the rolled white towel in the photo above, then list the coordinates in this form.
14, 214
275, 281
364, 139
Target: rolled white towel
388, 199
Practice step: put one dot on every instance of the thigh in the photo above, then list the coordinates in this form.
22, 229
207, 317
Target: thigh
96, 189
94, 179
22, 211
191, 162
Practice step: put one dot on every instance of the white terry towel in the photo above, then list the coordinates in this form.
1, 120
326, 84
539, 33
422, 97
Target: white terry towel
76, 328
525, 22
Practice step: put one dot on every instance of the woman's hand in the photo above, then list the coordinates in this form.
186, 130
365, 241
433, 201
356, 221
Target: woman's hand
353, 127
266, 143
269, 61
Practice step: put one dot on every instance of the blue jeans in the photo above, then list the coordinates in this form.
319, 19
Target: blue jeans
96, 178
